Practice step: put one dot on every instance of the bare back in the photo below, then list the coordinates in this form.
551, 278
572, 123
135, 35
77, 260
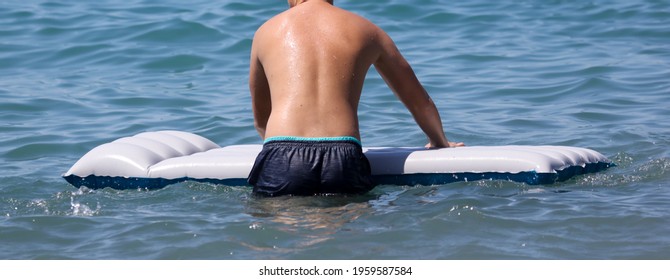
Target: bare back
314, 57
307, 70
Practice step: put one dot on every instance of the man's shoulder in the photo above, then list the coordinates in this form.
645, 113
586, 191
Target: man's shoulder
268, 24
273, 22
354, 18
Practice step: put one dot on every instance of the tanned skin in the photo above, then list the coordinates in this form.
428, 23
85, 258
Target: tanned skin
307, 70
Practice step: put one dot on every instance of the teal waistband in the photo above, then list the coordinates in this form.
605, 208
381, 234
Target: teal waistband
312, 139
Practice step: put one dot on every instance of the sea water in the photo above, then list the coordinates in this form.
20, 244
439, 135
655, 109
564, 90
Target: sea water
595, 74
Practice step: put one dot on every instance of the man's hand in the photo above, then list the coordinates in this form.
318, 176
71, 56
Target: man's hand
451, 145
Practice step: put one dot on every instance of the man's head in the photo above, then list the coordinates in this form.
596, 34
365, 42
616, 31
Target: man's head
293, 3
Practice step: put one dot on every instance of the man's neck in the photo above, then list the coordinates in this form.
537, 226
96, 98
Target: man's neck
293, 3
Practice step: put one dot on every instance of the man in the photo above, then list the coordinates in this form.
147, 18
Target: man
306, 75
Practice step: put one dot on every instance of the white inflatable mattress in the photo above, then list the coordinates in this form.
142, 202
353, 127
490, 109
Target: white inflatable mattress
157, 159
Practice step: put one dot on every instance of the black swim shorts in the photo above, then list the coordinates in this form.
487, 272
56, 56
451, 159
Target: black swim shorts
311, 166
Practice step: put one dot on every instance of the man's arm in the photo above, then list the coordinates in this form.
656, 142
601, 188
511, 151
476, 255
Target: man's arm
399, 76
259, 87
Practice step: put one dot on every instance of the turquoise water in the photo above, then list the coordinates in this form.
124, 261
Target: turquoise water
595, 74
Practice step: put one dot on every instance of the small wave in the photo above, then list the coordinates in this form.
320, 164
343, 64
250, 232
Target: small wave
79, 209
177, 63
178, 31
627, 173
